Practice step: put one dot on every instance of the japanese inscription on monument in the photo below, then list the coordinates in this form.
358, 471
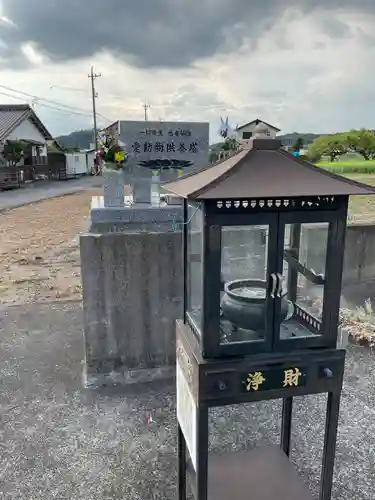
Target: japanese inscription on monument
165, 147
179, 145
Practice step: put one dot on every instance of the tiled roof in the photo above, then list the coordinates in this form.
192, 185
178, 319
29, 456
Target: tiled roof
11, 115
258, 120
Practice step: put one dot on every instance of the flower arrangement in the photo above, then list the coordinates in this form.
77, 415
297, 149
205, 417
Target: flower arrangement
111, 152
228, 134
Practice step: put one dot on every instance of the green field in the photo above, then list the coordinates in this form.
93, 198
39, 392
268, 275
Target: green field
362, 208
347, 166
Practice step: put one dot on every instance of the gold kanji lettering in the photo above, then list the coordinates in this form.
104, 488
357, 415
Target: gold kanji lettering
254, 381
291, 377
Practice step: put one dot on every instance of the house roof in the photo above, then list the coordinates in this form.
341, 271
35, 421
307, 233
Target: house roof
264, 170
257, 121
11, 115
56, 144
53, 146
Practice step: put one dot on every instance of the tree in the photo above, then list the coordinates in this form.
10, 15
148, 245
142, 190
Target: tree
13, 152
330, 145
362, 142
298, 145
230, 144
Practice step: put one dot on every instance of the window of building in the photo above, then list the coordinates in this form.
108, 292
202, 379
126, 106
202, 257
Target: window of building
246, 135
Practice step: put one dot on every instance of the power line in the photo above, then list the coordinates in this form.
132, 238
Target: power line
35, 98
74, 89
68, 111
43, 99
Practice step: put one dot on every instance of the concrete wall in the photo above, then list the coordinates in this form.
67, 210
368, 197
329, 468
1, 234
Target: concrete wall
133, 289
358, 283
132, 294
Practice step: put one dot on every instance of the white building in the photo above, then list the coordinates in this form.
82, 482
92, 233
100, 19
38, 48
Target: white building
20, 122
245, 132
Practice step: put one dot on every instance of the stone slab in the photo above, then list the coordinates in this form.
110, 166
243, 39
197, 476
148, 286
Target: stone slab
134, 213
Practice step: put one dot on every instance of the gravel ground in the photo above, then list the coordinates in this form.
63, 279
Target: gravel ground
60, 441
39, 249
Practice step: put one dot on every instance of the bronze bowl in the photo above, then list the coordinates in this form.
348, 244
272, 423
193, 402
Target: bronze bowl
244, 304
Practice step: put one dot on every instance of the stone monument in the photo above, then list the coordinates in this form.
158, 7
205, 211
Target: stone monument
157, 152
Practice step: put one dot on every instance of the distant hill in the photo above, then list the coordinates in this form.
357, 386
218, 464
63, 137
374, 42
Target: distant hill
81, 139
290, 139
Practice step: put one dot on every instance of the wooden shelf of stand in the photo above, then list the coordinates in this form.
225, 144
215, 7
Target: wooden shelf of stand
260, 474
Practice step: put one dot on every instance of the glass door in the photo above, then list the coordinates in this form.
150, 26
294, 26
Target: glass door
301, 280
248, 285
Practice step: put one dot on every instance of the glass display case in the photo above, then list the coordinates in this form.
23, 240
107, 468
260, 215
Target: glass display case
263, 253
264, 239
246, 307
273, 279
261, 286
193, 268
304, 248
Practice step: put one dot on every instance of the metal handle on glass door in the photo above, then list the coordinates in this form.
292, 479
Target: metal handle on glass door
280, 293
274, 285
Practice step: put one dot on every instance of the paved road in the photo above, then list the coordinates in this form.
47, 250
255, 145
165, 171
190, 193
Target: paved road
45, 189
58, 440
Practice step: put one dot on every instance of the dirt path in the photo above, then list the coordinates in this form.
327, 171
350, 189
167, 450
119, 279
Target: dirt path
39, 249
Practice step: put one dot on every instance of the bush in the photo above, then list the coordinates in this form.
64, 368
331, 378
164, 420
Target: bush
313, 156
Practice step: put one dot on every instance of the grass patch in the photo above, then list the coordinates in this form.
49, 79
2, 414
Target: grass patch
362, 208
360, 324
352, 166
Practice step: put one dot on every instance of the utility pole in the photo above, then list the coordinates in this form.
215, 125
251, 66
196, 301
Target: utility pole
93, 76
145, 107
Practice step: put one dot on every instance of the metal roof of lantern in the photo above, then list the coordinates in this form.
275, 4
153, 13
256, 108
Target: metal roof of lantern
262, 169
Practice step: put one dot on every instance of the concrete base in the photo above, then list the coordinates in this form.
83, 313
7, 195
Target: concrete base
137, 216
127, 377
132, 295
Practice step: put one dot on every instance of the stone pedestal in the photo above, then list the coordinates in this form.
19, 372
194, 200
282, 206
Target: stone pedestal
132, 295
113, 187
141, 185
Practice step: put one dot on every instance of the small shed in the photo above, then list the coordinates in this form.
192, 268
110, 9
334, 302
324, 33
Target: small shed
76, 164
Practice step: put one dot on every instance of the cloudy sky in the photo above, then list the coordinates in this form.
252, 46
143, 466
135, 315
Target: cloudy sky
305, 65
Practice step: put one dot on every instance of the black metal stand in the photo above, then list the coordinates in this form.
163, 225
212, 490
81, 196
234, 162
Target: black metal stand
181, 458
266, 473
286, 425
332, 417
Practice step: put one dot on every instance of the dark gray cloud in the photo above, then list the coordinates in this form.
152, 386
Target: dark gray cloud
146, 33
